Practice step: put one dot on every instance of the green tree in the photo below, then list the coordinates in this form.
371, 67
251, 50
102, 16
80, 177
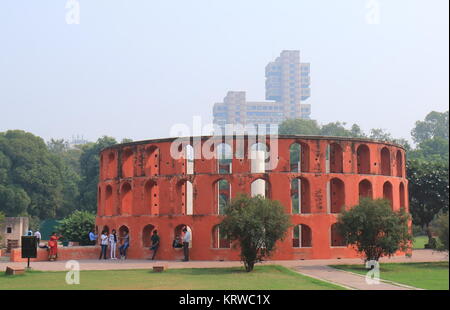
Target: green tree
428, 188
257, 224
89, 166
336, 129
374, 229
2, 219
31, 176
76, 226
434, 125
299, 127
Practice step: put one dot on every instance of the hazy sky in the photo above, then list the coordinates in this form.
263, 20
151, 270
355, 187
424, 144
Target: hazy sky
135, 68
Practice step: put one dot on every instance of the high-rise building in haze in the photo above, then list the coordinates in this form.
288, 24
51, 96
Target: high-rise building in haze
287, 86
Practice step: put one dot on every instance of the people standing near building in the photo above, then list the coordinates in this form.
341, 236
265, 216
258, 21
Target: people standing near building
53, 247
37, 234
155, 243
125, 245
92, 237
186, 241
113, 244
104, 243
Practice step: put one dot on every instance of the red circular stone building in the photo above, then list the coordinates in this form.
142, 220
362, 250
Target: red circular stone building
165, 184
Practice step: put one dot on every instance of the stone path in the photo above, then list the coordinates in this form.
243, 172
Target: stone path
317, 268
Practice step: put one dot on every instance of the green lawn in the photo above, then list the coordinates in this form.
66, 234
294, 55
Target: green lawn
263, 277
419, 242
431, 276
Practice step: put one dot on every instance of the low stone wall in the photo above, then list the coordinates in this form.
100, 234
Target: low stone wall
64, 253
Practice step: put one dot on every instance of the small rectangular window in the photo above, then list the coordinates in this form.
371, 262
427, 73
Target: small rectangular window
8, 230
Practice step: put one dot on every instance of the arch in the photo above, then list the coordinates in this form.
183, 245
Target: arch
105, 228
336, 238
363, 159
178, 233
186, 197
151, 197
300, 196
302, 236
126, 199
127, 163
260, 187
387, 192
151, 164
108, 201
259, 155
335, 158
218, 240
100, 207
224, 155
299, 157
385, 161
337, 195
365, 189
402, 195
147, 235
222, 195
399, 163
111, 167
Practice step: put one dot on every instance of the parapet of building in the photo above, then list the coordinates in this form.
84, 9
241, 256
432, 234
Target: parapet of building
166, 184
12, 229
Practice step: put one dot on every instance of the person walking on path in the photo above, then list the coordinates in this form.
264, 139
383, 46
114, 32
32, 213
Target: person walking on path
113, 244
38, 236
104, 243
53, 247
155, 243
92, 237
126, 244
186, 241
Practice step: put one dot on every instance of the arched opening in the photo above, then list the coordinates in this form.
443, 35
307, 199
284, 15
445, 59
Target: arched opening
365, 189
126, 200
402, 195
302, 236
127, 163
111, 167
222, 190
300, 196
179, 234
334, 158
220, 241
299, 157
224, 158
260, 187
399, 162
105, 229
385, 161
259, 155
151, 198
100, 207
147, 235
109, 201
363, 159
186, 194
151, 165
337, 195
387, 192
336, 238
189, 156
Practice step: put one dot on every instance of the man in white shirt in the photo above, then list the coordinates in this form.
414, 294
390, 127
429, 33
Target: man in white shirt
186, 241
104, 243
37, 234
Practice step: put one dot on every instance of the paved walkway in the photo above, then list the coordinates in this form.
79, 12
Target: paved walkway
317, 268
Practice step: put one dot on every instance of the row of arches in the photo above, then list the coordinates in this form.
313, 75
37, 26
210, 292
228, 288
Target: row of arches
300, 195
299, 160
302, 236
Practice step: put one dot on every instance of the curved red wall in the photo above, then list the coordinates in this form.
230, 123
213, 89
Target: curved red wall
141, 184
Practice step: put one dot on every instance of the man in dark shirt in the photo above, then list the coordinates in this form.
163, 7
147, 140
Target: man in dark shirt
155, 243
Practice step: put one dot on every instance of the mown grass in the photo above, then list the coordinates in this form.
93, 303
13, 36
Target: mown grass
430, 276
272, 277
